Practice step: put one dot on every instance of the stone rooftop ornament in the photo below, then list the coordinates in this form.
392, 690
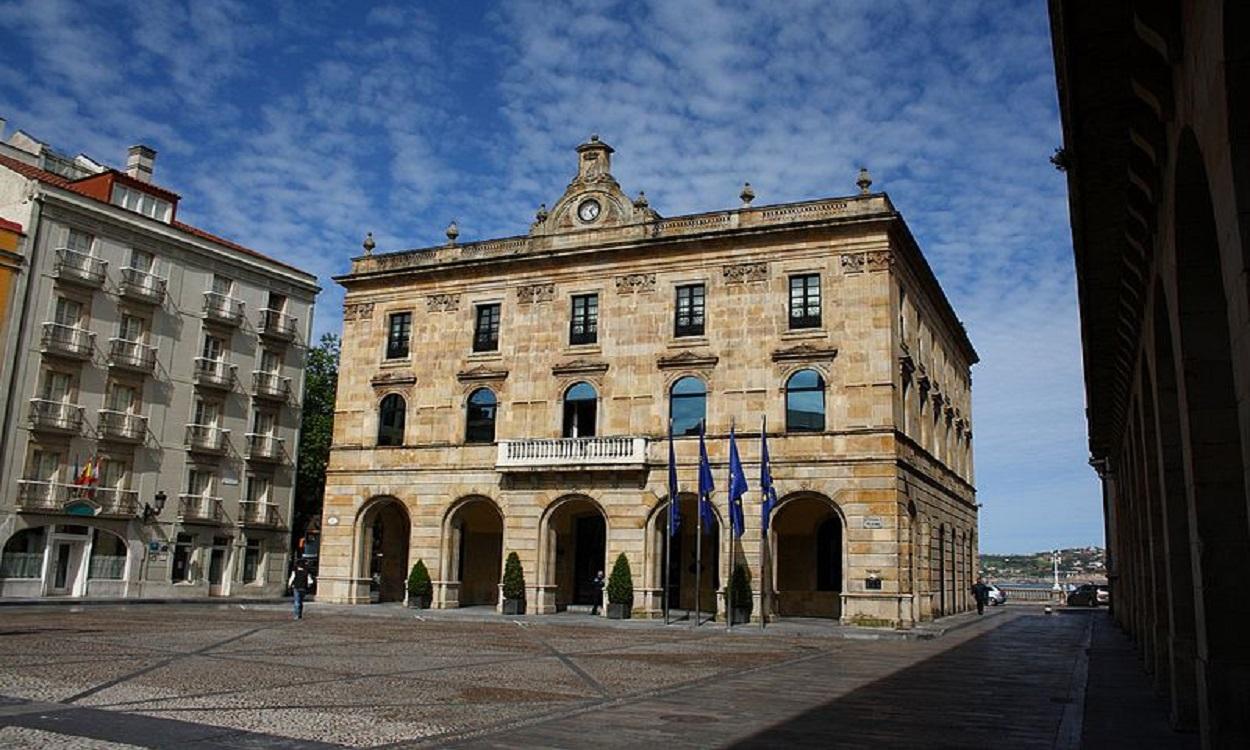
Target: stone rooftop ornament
369, 244
453, 232
747, 195
541, 216
641, 201
864, 182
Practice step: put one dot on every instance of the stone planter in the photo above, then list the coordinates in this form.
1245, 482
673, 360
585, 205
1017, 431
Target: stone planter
619, 611
741, 615
514, 606
418, 602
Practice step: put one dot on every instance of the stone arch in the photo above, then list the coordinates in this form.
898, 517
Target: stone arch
572, 535
680, 555
472, 552
1216, 482
382, 531
809, 555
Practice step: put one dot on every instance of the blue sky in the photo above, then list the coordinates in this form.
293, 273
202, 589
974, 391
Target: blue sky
295, 127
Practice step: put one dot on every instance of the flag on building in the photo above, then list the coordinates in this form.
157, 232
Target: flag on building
706, 486
674, 507
766, 483
737, 488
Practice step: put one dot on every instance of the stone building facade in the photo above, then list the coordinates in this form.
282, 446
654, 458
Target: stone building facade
151, 387
1155, 100
514, 395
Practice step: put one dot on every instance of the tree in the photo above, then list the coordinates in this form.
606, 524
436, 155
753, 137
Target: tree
419, 583
621, 582
321, 381
513, 578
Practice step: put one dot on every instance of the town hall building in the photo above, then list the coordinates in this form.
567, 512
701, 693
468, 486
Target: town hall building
515, 395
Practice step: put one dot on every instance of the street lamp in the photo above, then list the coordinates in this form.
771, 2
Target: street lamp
1054, 558
150, 513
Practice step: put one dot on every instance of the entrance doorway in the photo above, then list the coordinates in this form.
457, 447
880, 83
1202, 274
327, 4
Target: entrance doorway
65, 566
476, 551
807, 559
384, 551
576, 552
684, 557
217, 565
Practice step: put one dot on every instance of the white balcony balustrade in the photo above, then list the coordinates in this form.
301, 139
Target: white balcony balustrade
135, 356
590, 453
80, 268
67, 341
255, 513
200, 508
277, 324
265, 448
270, 386
205, 438
142, 286
122, 426
55, 416
36, 496
214, 373
223, 308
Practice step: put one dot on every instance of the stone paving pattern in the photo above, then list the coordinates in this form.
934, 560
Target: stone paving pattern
195, 676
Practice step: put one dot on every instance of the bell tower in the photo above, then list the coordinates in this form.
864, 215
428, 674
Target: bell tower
594, 161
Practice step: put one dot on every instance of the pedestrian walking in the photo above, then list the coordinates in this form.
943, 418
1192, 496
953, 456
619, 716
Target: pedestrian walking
597, 585
981, 593
300, 582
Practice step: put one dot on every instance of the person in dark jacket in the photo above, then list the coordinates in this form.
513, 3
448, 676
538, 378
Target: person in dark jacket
981, 593
300, 582
597, 584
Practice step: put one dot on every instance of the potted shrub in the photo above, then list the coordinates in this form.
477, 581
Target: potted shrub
513, 586
740, 586
620, 590
420, 589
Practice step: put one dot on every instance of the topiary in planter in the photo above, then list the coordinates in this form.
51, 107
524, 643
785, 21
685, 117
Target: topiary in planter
740, 587
620, 589
513, 586
420, 589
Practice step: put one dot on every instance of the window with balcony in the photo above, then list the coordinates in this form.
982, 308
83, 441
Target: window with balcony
206, 413
486, 328
480, 415
132, 328
269, 361
200, 482
690, 310
45, 466
68, 312
805, 301
57, 386
258, 487
391, 420
584, 326
688, 405
398, 333
212, 348
581, 403
142, 261
79, 241
223, 285
805, 402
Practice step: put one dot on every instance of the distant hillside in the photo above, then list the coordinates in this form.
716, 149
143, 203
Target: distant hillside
1080, 564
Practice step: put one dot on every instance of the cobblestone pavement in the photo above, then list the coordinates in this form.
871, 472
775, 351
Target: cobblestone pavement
199, 676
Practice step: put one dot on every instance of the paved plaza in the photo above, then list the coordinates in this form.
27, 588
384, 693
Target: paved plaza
208, 676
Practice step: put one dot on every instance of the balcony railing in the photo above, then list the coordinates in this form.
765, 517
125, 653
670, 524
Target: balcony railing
255, 513
35, 496
122, 426
223, 308
55, 416
67, 341
572, 453
202, 508
80, 268
142, 286
265, 448
276, 324
214, 373
205, 438
132, 355
270, 385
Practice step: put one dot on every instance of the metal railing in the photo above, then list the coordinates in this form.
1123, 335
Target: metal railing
261, 447
51, 497
257, 513
142, 286
193, 507
132, 355
270, 385
589, 453
277, 324
68, 341
207, 438
223, 308
122, 425
214, 373
72, 265
58, 416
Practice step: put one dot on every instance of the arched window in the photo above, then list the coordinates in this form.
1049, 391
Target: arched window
480, 417
580, 407
687, 405
805, 402
391, 420
23, 554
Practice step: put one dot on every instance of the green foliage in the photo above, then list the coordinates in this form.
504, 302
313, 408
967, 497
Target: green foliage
320, 383
419, 584
621, 582
740, 587
513, 578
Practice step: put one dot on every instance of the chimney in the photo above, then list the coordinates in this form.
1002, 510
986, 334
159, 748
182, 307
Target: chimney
140, 161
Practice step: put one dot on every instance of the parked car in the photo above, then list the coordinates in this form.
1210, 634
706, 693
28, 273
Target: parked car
997, 595
1089, 595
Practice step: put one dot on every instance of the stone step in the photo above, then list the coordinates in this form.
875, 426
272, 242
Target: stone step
579, 609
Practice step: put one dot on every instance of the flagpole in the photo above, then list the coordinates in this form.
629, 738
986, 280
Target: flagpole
668, 532
698, 563
729, 588
763, 527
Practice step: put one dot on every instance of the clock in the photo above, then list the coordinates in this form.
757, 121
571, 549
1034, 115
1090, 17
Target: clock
588, 211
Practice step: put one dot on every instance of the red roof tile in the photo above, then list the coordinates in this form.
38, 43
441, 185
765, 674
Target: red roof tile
12, 226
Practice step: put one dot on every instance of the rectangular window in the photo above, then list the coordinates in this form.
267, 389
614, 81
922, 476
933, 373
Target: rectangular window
222, 285
199, 482
79, 241
268, 361
398, 334
57, 386
206, 413
141, 202
262, 422
212, 348
584, 327
132, 328
123, 397
258, 489
277, 302
45, 466
142, 260
251, 561
486, 329
805, 301
690, 306
68, 312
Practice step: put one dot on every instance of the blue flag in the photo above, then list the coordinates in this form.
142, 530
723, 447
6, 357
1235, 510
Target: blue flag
706, 487
737, 488
766, 483
674, 506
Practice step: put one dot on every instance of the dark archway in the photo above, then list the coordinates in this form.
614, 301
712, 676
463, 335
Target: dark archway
1236, 29
684, 557
577, 550
1217, 495
807, 553
475, 529
385, 530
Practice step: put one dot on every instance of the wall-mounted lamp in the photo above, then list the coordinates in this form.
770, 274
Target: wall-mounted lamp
150, 512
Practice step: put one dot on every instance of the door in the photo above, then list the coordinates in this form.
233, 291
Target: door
131, 328
217, 566
589, 542
66, 561
68, 312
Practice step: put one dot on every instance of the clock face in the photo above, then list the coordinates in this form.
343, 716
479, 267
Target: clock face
589, 210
